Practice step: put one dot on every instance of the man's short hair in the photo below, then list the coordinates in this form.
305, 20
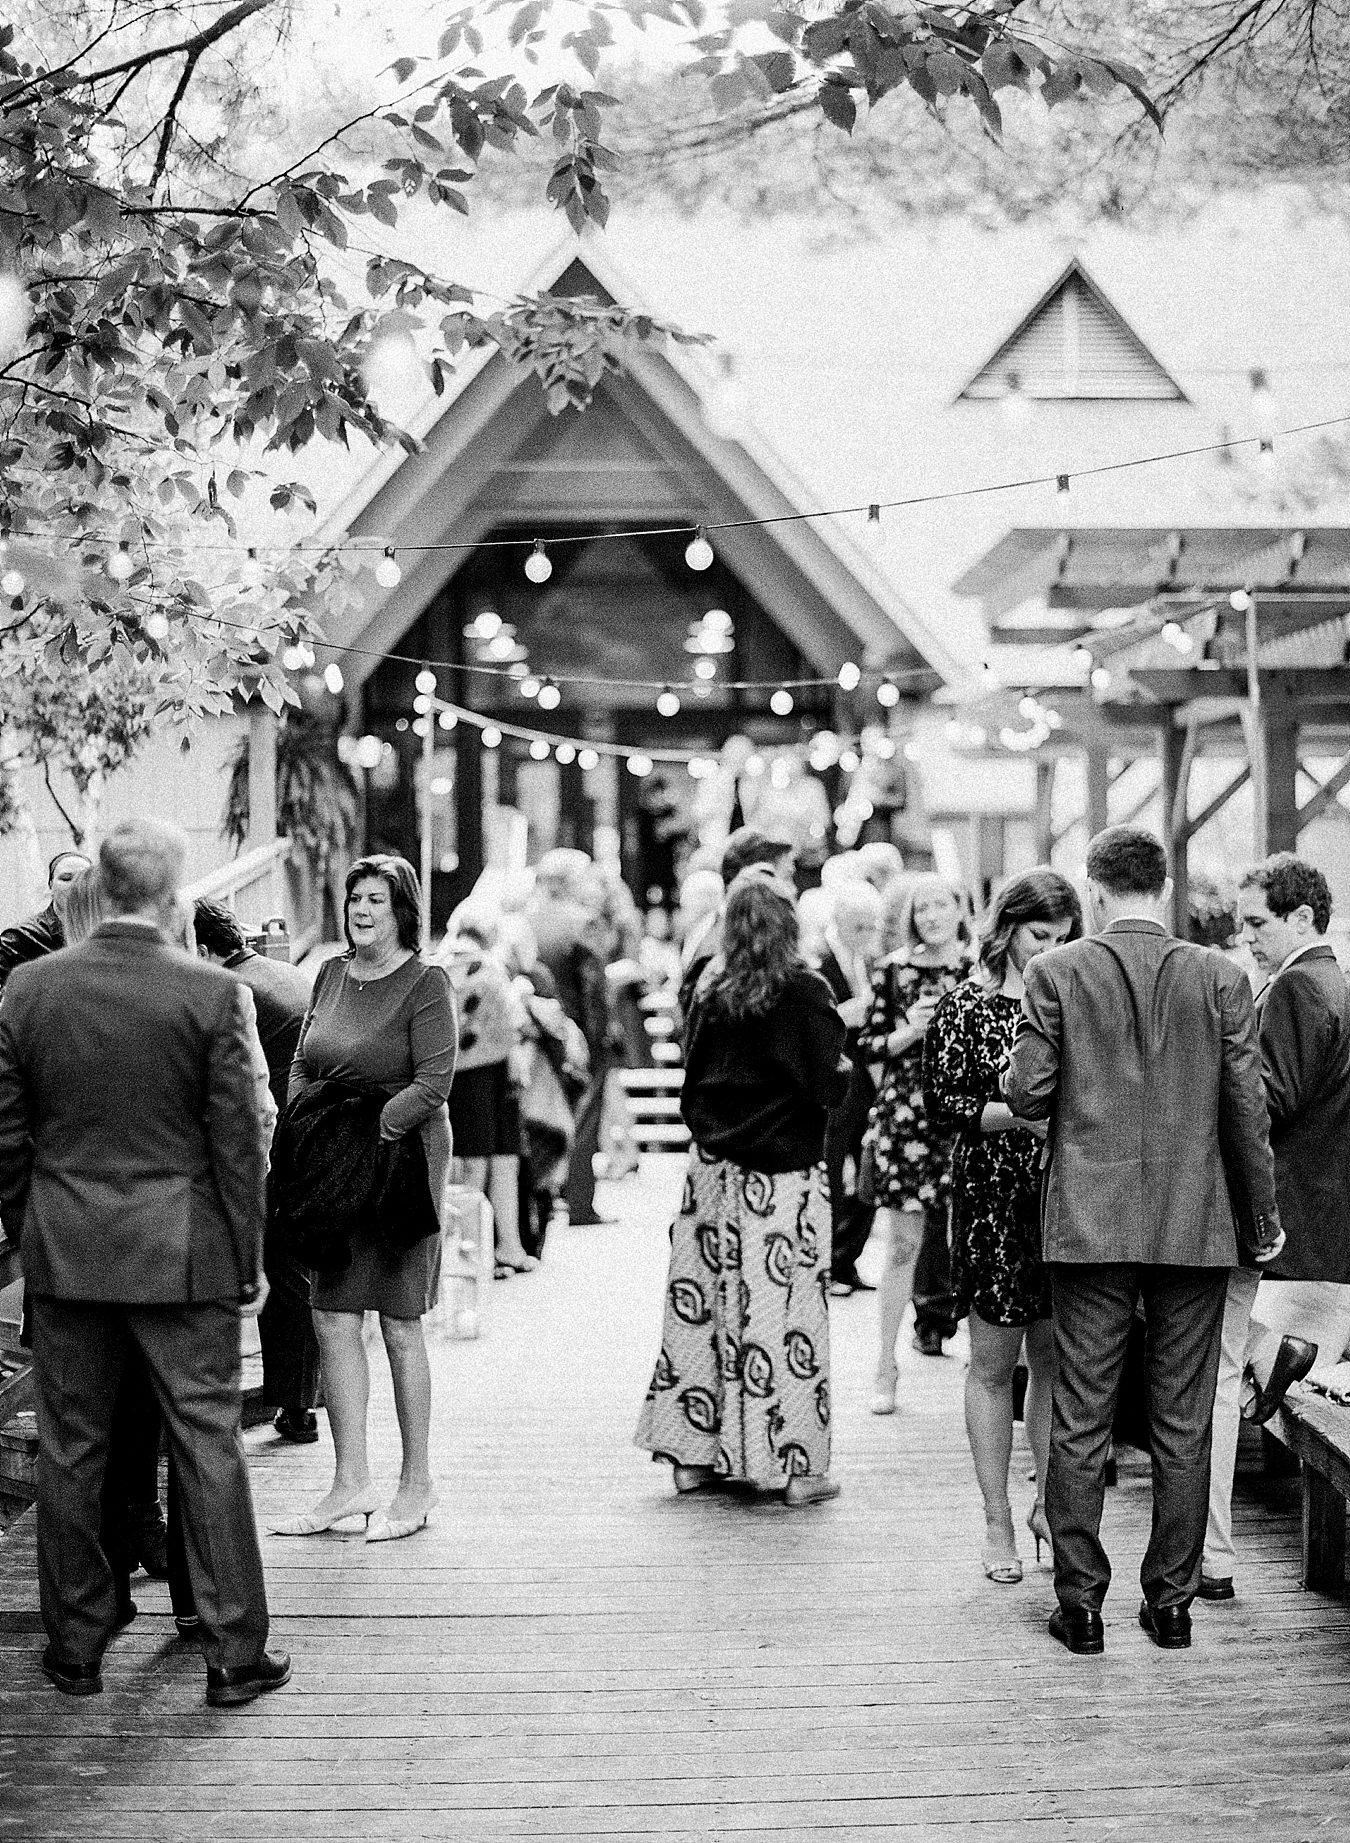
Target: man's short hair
1287, 882
141, 864
217, 928
745, 847
1128, 861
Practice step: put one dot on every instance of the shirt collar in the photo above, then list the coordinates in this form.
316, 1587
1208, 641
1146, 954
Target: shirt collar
1298, 953
1134, 921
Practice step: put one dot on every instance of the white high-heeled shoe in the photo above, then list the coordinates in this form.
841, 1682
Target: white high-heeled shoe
313, 1522
384, 1528
883, 1393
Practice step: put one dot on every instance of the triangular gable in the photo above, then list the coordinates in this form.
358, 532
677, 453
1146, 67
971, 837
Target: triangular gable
1074, 343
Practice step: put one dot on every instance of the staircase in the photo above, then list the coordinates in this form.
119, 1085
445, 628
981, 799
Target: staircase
654, 1094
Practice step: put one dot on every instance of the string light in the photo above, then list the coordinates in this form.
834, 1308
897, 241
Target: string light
538, 566
157, 625
888, 694
1239, 601
565, 753
387, 572
705, 670
448, 719
492, 737
529, 687
781, 703
1101, 679
332, 677
699, 552
588, 761
120, 564
849, 761
1082, 658
251, 574
539, 750
12, 581
421, 726
422, 703
549, 695
668, 704
369, 752
426, 681
1061, 483
850, 677
640, 765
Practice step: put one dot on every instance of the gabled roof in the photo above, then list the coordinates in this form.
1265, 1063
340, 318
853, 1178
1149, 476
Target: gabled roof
492, 434
1073, 343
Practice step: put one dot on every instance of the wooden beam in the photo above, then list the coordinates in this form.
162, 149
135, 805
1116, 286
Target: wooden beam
1098, 772
1279, 720
1217, 804
1181, 684
1325, 796
1045, 796
262, 774
1175, 776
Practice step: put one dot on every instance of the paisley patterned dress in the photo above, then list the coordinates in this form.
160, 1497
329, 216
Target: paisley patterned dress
996, 1177
742, 1381
911, 1157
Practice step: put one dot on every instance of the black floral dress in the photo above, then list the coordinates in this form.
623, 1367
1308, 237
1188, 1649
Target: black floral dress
997, 1269
911, 1157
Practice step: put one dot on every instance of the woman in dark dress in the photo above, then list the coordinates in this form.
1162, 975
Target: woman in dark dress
1000, 1281
381, 1017
927, 949
742, 1385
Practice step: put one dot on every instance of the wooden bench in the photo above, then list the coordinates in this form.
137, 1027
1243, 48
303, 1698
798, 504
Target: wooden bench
1317, 1432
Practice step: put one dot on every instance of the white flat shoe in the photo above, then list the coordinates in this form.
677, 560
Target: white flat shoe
803, 1491
883, 1396
384, 1528
314, 1523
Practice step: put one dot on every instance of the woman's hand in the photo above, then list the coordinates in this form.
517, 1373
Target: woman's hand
998, 1117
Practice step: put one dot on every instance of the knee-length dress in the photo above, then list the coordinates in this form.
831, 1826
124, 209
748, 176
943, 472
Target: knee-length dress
399, 1033
911, 1156
997, 1270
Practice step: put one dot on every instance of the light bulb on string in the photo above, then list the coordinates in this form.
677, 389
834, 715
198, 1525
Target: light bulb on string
539, 750
121, 565
538, 566
1101, 679
706, 669
293, 658
12, 581
565, 753
518, 670
781, 703
848, 761
332, 678
251, 573
387, 572
668, 703
1265, 455
1028, 707
492, 737
1240, 601
718, 621
426, 681
421, 726
528, 686
448, 719
588, 761
850, 676
369, 752
549, 695
1082, 658
157, 625
484, 626
639, 765
888, 694
421, 703
1014, 404
699, 552
754, 765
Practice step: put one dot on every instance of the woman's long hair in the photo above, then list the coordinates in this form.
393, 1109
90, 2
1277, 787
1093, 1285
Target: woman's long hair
760, 946
898, 933
1040, 895
85, 905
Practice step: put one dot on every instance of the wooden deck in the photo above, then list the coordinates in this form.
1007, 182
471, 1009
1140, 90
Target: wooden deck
571, 1652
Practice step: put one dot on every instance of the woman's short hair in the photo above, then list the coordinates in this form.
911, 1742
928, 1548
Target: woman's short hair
760, 944
898, 933
405, 895
85, 907
1040, 895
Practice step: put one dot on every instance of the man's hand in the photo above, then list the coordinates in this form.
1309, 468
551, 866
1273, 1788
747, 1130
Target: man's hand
1264, 1255
254, 1298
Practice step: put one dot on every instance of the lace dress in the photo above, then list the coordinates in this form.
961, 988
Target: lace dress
911, 1157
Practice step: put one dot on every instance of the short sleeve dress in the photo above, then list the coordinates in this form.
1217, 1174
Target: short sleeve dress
912, 1158
399, 1033
997, 1269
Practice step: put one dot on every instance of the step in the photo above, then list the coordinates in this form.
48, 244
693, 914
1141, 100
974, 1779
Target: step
676, 1134
642, 1081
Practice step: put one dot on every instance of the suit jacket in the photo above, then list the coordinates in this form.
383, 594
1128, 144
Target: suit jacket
1141, 1051
281, 995
1304, 1020
132, 1152
565, 936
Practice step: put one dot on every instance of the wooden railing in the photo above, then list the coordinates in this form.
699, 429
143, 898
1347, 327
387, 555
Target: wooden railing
252, 885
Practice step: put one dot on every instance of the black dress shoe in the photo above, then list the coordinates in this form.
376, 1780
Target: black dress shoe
1078, 1629
302, 1428
126, 1612
151, 1542
1219, 1588
73, 1679
1293, 1360
189, 1626
226, 1689
1168, 1626
928, 1342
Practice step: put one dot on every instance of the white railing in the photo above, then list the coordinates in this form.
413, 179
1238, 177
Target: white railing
253, 886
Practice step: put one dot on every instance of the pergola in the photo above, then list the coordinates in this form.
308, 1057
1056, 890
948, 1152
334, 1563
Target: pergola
1225, 642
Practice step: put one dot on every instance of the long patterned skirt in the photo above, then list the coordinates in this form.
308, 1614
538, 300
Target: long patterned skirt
743, 1379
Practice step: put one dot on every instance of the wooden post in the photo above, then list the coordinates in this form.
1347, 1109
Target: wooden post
1323, 1534
1097, 764
1279, 735
1175, 778
1045, 801
427, 819
262, 774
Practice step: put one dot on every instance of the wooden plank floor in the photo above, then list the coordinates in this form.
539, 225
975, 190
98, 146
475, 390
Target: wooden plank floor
571, 1652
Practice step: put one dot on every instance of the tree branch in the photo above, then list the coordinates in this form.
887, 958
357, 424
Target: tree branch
171, 119
192, 47
76, 832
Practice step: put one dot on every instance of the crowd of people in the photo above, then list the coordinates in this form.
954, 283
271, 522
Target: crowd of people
1054, 1126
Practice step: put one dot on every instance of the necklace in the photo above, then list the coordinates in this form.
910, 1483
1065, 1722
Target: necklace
386, 967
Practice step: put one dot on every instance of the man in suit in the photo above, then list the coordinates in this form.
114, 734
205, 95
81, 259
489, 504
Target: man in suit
1141, 1052
850, 945
1302, 1310
44, 932
281, 994
132, 1165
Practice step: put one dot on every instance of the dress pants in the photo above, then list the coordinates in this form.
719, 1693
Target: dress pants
851, 1218
934, 1300
1093, 1306
581, 1167
290, 1348
192, 1354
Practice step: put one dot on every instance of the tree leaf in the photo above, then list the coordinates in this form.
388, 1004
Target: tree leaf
837, 105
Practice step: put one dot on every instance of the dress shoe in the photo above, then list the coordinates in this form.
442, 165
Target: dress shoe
1168, 1626
384, 1528
803, 1491
227, 1688
928, 1342
883, 1392
1218, 1588
1293, 1360
363, 1504
687, 1478
301, 1428
1078, 1629
126, 1612
189, 1626
73, 1679
152, 1544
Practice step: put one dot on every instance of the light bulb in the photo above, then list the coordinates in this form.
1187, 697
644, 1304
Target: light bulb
484, 625
888, 694
549, 695
588, 761
537, 565
885, 748
1028, 707
529, 687
332, 677
157, 625
754, 765
705, 669
421, 726
668, 704
717, 621
848, 761
387, 572
565, 753
1265, 455
1101, 679
293, 659
699, 554
426, 681
1082, 658
1239, 601
781, 703
120, 564
849, 676
639, 765
448, 719
369, 752
539, 750
251, 572
492, 737
421, 703
12, 582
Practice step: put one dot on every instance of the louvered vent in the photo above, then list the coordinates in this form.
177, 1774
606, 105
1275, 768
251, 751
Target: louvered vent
1073, 344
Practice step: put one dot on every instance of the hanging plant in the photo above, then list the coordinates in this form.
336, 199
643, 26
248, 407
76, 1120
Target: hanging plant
318, 804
